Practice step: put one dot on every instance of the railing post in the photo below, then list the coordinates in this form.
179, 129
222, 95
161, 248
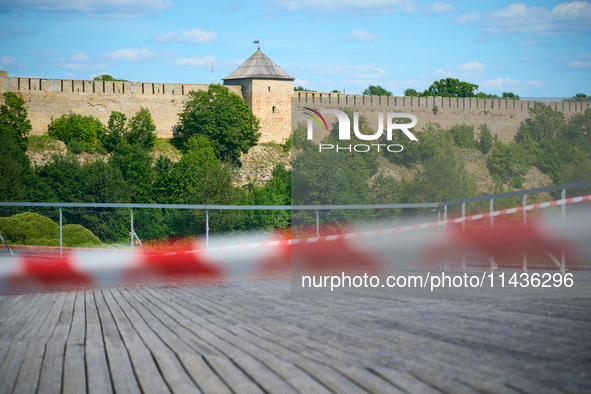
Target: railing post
131, 232
492, 209
463, 229
317, 224
445, 261
207, 229
493, 265
563, 209
524, 203
61, 242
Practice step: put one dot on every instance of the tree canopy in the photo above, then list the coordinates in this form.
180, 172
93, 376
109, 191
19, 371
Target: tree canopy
107, 77
14, 119
376, 90
221, 116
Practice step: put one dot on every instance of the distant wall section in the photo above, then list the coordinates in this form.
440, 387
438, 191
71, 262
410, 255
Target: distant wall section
501, 115
48, 98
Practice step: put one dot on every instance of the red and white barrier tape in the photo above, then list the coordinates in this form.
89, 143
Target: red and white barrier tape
90, 269
340, 237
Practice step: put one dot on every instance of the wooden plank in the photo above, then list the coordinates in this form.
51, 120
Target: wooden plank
50, 380
74, 369
145, 368
172, 370
121, 370
11, 366
29, 373
97, 370
238, 347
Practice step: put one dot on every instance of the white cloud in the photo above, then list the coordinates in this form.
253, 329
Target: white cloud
80, 57
17, 31
440, 8
192, 62
529, 43
380, 6
110, 8
565, 18
467, 18
10, 61
131, 55
195, 36
469, 71
472, 66
527, 58
46, 53
580, 65
83, 66
362, 35
354, 72
507, 84
301, 82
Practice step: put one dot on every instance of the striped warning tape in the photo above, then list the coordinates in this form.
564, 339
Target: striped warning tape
339, 237
91, 269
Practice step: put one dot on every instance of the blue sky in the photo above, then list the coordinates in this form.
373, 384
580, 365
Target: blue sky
534, 49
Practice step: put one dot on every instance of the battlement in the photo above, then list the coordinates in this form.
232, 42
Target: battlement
66, 86
385, 102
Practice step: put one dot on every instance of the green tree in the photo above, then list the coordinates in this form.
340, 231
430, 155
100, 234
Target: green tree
451, 87
107, 77
141, 129
116, 129
579, 97
543, 123
221, 116
135, 165
14, 119
463, 135
376, 90
63, 174
81, 132
575, 173
443, 177
510, 95
14, 164
302, 89
411, 92
510, 162
200, 178
485, 139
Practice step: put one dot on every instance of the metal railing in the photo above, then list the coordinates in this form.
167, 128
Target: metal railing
142, 223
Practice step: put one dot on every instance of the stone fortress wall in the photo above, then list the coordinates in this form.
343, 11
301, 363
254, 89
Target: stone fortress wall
48, 98
502, 116
271, 102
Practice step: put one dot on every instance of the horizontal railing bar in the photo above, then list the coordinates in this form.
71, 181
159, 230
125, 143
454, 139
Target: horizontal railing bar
299, 207
519, 193
217, 207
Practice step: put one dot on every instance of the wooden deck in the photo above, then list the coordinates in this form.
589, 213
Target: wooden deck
251, 336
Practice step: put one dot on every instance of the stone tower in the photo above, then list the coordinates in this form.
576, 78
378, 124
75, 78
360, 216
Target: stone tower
267, 90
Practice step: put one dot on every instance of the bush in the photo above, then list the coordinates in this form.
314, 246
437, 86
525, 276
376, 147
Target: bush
485, 139
30, 228
463, 135
71, 126
27, 228
74, 235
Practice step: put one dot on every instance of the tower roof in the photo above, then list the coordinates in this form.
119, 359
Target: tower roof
259, 66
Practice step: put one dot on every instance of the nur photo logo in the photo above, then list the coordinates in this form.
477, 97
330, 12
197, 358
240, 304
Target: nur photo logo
345, 129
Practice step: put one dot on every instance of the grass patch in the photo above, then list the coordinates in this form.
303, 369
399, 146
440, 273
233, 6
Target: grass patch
41, 143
